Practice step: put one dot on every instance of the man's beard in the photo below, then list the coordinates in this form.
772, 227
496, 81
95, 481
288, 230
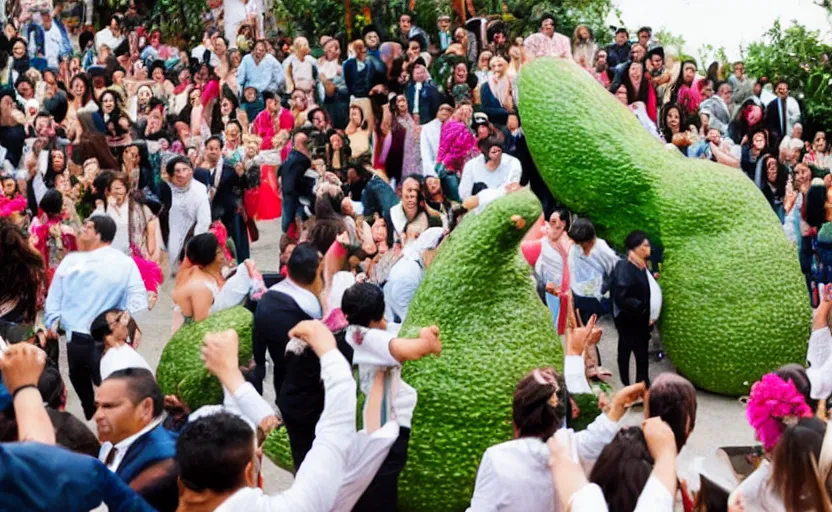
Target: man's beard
600, 68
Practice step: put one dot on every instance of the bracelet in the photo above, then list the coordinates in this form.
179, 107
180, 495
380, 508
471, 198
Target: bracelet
21, 388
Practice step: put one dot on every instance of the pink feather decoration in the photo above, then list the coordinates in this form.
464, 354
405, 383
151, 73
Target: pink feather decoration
772, 404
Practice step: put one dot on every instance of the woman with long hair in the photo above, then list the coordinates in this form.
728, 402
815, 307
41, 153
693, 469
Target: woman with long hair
412, 158
50, 235
460, 84
752, 151
137, 232
92, 143
639, 89
112, 115
684, 91
771, 179
23, 275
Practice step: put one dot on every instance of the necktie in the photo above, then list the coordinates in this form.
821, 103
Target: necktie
108, 461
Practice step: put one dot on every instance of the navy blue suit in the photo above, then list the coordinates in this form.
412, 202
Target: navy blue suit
225, 206
429, 100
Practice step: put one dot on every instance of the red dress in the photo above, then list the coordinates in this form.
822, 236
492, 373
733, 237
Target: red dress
263, 203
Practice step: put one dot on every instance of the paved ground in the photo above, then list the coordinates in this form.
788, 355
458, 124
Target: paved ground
720, 421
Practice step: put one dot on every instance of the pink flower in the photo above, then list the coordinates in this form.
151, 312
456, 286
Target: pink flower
773, 400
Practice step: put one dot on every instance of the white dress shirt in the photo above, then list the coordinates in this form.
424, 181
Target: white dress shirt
429, 146
475, 171
189, 207
124, 445
105, 36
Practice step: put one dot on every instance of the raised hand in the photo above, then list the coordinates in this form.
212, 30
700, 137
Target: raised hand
315, 334
431, 334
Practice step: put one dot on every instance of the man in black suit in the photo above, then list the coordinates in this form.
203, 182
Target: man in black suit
631, 307
225, 192
293, 181
778, 116
423, 98
134, 444
297, 370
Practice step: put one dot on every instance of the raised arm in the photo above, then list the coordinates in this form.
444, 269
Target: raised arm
427, 343
21, 366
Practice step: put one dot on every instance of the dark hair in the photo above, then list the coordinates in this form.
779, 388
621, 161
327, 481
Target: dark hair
563, 214
72, 433
625, 80
363, 303
645, 29
201, 250
548, 16
816, 205
673, 399
311, 114
304, 262
634, 239
100, 327
213, 138
486, 144
680, 80
141, 384
104, 226
408, 14
794, 467
539, 409
324, 233
781, 81
171, 165
213, 452
797, 374
85, 79
420, 40
663, 126
623, 468
116, 18
52, 202
582, 231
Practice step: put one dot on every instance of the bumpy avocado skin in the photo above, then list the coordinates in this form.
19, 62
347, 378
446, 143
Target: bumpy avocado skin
494, 329
181, 371
735, 301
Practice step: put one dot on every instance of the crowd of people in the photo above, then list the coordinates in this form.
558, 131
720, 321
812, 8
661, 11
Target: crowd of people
127, 160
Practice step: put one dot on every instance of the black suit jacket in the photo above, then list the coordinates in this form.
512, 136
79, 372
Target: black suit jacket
774, 123
631, 294
297, 378
228, 193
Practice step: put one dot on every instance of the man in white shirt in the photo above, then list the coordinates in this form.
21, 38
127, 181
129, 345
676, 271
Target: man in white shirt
429, 139
407, 273
112, 329
86, 283
489, 176
189, 207
110, 35
591, 261
134, 444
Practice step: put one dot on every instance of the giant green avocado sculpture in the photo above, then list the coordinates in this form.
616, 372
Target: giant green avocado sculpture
494, 329
181, 371
735, 301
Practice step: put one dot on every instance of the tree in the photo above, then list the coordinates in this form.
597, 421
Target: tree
570, 14
800, 57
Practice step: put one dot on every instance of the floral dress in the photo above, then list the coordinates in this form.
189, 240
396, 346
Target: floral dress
412, 163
